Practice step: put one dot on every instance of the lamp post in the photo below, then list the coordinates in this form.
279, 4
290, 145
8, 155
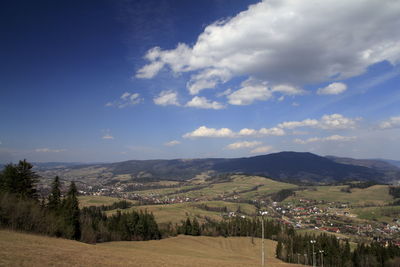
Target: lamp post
313, 253
262, 237
322, 257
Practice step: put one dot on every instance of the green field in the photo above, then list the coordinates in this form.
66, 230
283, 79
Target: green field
85, 201
374, 195
17, 249
380, 214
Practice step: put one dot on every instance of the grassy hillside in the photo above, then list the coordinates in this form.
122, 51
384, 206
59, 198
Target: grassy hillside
17, 249
374, 195
240, 185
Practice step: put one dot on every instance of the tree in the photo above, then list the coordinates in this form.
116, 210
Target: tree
19, 179
54, 199
195, 227
71, 212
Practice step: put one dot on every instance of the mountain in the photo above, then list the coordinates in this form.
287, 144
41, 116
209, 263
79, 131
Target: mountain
296, 166
384, 165
284, 166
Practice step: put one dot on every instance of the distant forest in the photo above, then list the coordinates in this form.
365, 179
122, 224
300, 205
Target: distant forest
60, 216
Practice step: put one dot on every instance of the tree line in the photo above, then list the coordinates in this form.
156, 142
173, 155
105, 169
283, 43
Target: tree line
60, 216
331, 251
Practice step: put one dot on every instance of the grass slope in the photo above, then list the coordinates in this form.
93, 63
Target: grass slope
374, 195
18, 249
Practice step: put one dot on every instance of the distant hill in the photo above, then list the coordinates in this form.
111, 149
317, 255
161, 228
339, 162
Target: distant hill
296, 166
284, 166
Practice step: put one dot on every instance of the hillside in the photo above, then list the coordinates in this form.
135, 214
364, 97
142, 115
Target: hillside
18, 249
284, 166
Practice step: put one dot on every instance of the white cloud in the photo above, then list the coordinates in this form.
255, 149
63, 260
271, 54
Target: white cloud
244, 144
295, 124
250, 92
107, 137
48, 150
166, 98
337, 121
337, 138
287, 42
272, 131
172, 143
204, 103
203, 131
125, 100
393, 122
261, 150
332, 89
288, 90
327, 122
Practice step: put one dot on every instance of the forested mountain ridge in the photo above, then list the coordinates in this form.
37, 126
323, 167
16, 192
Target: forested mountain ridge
283, 166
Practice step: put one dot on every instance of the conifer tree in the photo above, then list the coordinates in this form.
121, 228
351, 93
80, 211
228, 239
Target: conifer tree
54, 199
71, 211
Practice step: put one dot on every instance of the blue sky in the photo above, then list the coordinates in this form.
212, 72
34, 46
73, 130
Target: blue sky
116, 80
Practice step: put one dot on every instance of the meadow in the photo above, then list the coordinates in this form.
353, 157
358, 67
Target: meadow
20, 249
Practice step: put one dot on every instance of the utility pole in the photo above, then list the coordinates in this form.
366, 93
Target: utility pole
313, 253
322, 257
262, 241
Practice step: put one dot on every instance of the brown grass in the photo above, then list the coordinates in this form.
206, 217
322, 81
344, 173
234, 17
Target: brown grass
18, 249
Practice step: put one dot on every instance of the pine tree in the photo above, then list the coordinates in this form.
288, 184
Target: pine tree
71, 210
54, 199
195, 227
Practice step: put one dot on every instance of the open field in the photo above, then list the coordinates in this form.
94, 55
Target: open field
380, 214
85, 201
238, 184
175, 213
18, 249
374, 195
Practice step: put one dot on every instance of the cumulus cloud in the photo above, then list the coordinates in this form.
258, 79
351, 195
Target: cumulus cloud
48, 150
172, 143
249, 93
335, 138
244, 144
393, 122
286, 42
125, 100
261, 150
327, 122
203, 131
332, 89
167, 98
204, 103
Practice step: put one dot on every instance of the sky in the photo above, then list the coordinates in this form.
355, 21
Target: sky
107, 81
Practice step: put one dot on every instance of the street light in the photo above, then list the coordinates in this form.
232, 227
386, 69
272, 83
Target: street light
262, 237
322, 257
313, 253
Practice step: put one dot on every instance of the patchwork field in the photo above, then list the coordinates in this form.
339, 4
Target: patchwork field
18, 249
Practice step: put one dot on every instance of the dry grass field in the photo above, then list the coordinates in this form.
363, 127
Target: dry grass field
18, 249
